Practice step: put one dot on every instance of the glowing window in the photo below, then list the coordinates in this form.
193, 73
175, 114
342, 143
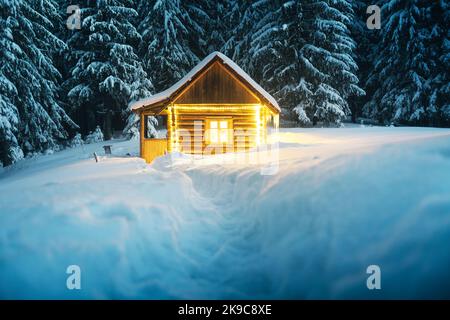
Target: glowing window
219, 131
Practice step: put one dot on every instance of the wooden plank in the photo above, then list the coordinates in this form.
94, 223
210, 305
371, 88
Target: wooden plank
193, 123
141, 135
216, 86
154, 148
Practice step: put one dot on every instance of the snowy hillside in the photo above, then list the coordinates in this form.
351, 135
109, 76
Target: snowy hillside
342, 199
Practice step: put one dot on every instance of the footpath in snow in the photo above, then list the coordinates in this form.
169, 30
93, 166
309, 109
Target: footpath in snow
339, 201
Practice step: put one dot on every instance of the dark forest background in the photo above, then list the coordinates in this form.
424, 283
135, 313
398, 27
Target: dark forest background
316, 57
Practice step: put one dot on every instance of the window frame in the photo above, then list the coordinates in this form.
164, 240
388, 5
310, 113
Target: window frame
229, 130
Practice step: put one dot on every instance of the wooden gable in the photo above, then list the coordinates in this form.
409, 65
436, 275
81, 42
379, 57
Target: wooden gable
217, 86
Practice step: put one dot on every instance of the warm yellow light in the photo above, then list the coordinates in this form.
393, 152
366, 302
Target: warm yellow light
214, 108
169, 125
277, 121
218, 131
223, 131
213, 132
258, 124
177, 143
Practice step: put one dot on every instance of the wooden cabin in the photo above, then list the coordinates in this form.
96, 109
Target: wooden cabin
215, 108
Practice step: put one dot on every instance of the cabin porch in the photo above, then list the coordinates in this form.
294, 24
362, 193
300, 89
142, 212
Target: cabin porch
152, 147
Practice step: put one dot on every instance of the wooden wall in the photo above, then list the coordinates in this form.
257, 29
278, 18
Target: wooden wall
153, 148
217, 86
225, 97
190, 122
217, 93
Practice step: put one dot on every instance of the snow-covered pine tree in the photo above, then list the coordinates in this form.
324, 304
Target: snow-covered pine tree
76, 141
439, 46
66, 59
202, 26
241, 23
276, 41
95, 136
215, 28
10, 150
327, 58
405, 79
165, 27
264, 39
108, 73
31, 118
304, 52
366, 45
230, 22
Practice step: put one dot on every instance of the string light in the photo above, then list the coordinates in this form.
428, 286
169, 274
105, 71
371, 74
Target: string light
258, 111
258, 124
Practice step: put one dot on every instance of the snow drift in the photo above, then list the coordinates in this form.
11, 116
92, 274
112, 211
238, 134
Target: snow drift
343, 199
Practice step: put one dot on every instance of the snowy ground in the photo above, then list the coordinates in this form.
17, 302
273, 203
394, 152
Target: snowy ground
341, 200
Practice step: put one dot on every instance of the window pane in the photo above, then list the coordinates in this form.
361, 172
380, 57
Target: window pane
213, 135
224, 136
213, 124
223, 124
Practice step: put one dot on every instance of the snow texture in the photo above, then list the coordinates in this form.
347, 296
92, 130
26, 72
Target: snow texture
343, 199
95, 136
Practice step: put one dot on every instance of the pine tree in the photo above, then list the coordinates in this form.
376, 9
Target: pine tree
231, 20
408, 80
215, 33
10, 150
304, 52
274, 56
327, 58
203, 37
439, 46
366, 48
66, 59
166, 29
264, 40
108, 73
31, 118
241, 23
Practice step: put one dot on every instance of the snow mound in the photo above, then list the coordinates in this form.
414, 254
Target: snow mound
342, 199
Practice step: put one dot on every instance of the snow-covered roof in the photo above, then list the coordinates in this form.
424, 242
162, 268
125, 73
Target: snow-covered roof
168, 93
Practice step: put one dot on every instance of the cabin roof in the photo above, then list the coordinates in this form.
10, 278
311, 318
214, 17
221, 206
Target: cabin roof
170, 93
